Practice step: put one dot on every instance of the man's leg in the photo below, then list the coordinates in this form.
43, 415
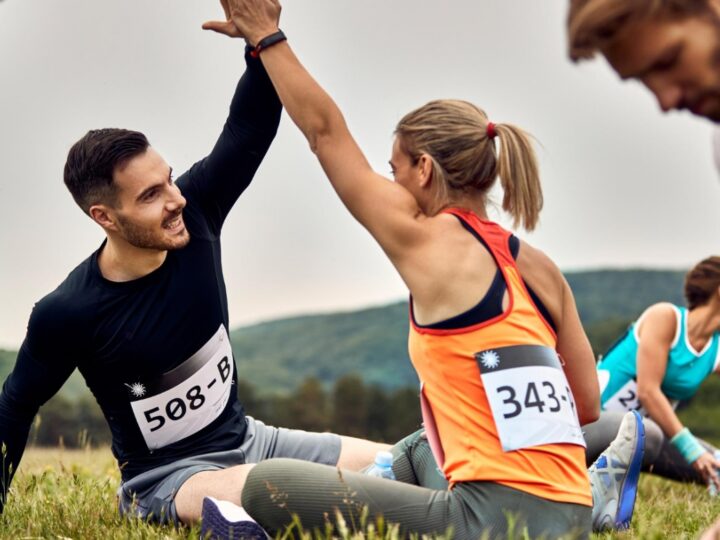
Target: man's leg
224, 484
357, 453
264, 442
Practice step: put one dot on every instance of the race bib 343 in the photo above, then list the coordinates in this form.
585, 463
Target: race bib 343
529, 396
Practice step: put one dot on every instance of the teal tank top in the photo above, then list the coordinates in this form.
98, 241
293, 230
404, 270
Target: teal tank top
686, 367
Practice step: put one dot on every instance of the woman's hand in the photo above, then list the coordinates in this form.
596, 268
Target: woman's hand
708, 467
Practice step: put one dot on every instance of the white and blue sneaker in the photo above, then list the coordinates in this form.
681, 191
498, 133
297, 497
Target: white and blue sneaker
614, 476
223, 520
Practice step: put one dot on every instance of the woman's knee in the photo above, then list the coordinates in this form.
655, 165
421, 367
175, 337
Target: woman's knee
259, 484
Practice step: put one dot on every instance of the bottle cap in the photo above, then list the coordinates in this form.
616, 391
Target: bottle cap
384, 459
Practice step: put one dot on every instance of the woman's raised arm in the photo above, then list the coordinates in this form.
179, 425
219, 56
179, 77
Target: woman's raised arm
385, 208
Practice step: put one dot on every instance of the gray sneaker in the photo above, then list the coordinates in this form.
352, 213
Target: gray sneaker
614, 476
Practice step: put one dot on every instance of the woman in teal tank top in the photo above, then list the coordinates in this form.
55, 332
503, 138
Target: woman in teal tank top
663, 358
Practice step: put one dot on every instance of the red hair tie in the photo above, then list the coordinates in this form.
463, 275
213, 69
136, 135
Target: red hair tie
491, 130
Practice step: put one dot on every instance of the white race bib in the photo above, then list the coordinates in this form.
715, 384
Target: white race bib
183, 401
529, 396
625, 399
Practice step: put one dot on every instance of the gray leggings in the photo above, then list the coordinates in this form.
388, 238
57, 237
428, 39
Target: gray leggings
660, 456
277, 489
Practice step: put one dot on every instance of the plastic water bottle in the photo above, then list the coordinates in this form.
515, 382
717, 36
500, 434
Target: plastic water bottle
712, 489
382, 466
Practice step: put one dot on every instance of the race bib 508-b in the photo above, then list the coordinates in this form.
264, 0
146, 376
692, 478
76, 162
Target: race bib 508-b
183, 401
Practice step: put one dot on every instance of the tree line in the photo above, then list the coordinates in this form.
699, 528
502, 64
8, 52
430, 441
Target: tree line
349, 407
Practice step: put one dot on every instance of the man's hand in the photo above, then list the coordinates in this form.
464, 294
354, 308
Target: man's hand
226, 27
251, 19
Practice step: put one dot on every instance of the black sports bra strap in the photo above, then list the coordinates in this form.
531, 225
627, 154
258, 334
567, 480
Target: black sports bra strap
490, 305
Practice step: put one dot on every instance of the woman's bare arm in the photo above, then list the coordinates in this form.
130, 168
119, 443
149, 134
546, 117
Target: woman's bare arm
386, 209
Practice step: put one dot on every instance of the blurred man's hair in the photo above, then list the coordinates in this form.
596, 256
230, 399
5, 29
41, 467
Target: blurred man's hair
592, 24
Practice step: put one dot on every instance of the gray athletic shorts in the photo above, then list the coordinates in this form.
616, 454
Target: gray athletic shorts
151, 495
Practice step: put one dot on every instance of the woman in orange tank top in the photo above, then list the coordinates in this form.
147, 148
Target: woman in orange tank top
508, 374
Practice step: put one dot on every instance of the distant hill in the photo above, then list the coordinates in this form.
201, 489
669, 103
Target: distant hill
276, 356
606, 294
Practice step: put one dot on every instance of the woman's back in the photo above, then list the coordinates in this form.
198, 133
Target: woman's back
451, 271
496, 403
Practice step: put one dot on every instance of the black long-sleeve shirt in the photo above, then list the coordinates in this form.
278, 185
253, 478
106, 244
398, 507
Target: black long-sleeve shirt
154, 351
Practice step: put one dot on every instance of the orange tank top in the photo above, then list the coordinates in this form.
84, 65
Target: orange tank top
496, 404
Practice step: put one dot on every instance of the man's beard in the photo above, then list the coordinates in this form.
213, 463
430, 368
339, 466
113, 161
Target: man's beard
141, 237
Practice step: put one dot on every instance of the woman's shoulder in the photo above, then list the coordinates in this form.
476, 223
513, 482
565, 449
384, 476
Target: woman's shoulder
534, 262
661, 320
662, 311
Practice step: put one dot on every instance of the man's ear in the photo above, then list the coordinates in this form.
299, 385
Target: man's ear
103, 216
425, 166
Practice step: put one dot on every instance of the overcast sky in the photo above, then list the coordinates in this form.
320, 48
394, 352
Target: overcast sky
624, 185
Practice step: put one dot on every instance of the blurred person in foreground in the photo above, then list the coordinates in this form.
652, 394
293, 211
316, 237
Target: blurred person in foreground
670, 46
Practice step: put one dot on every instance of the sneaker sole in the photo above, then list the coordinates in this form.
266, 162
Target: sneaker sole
628, 491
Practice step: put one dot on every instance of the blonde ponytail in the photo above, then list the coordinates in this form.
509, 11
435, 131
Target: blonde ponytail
519, 176
460, 141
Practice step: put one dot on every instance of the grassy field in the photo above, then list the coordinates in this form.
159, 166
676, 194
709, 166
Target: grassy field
63, 494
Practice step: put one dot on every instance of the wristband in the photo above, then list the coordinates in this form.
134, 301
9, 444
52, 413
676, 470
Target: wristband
687, 445
268, 41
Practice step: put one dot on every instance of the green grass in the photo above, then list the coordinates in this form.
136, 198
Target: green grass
64, 494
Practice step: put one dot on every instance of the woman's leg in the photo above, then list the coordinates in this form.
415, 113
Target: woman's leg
414, 463
671, 464
660, 457
278, 489
281, 488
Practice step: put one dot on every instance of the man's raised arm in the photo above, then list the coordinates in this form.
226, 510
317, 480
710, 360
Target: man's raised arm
222, 176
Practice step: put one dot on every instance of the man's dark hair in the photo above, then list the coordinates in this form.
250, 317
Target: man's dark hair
92, 161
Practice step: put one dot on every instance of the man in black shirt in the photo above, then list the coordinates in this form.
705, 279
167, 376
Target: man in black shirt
145, 320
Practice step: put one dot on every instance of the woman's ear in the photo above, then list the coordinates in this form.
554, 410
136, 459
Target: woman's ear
425, 169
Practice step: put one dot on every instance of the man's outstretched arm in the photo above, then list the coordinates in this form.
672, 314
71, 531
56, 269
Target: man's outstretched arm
41, 368
220, 178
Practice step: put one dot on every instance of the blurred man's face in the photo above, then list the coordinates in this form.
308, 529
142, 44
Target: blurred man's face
677, 60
